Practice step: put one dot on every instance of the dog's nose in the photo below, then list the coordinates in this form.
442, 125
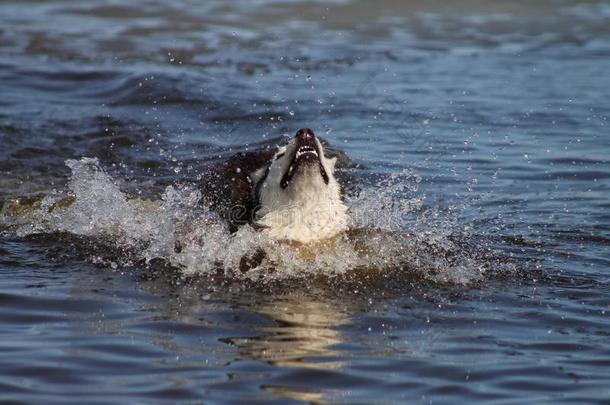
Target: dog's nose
305, 134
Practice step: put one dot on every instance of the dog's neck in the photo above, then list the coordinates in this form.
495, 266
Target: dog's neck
310, 210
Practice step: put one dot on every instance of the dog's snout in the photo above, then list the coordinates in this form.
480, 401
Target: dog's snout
305, 134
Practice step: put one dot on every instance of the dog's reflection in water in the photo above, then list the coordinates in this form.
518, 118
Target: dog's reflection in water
304, 333
305, 337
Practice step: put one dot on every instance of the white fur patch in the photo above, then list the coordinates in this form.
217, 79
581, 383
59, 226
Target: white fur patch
306, 210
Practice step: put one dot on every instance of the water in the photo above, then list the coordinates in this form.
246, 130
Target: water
477, 134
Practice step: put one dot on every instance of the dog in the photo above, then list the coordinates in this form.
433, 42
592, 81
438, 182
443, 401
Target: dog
290, 193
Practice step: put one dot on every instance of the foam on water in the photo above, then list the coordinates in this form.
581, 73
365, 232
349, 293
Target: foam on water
391, 232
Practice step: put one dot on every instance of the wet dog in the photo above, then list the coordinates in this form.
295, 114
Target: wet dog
290, 192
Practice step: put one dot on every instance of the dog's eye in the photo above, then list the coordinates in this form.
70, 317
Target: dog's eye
280, 155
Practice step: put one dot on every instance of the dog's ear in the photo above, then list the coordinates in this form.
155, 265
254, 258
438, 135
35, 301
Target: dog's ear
331, 163
257, 176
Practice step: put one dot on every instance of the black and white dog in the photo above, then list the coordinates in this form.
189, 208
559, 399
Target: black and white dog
289, 192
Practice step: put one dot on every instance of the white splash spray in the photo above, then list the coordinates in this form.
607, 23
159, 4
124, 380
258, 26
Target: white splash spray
390, 231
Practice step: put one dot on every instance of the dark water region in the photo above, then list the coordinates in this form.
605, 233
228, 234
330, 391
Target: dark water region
480, 127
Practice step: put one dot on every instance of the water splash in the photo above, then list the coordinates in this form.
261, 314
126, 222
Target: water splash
392, 232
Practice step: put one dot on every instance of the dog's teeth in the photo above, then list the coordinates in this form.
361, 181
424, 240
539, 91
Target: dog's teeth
306, 149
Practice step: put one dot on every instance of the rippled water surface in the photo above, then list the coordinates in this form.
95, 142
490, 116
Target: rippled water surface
477, 139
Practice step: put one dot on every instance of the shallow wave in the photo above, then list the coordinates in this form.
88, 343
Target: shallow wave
392, 233
207, 34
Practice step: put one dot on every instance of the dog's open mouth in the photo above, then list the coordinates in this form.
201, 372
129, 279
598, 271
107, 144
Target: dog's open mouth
306, 154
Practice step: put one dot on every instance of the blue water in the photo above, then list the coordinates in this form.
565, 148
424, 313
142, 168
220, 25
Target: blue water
480, 127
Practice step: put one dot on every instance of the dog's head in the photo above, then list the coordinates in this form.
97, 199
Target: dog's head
299, 179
